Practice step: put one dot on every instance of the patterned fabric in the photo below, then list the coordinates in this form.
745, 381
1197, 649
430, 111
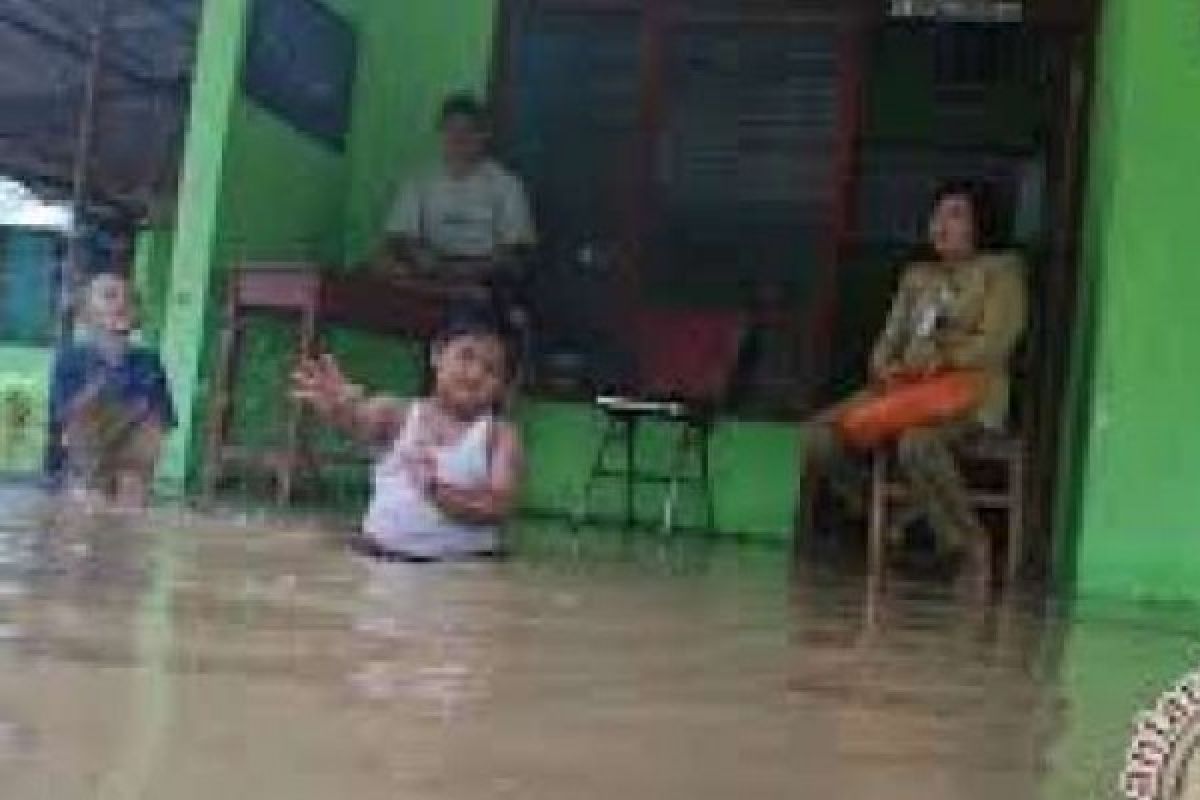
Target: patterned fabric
966, 316
103, 401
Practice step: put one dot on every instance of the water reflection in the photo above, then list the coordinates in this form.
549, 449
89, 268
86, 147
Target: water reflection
938, 698
429, 635
182, 657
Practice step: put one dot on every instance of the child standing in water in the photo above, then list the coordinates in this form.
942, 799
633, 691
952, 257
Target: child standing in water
449, 466
110, 403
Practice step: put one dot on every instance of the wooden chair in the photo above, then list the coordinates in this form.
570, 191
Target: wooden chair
292, 290
999, 454
686, 365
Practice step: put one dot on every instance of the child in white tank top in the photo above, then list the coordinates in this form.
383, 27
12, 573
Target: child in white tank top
449, 467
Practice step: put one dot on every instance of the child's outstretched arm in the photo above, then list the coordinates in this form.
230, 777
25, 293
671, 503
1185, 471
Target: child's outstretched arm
495, 502
320, 384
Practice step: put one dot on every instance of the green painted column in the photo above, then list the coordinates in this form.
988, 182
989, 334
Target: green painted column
215, 90
152, 277
1137, 506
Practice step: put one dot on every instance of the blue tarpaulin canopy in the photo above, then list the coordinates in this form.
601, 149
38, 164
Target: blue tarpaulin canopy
47, 51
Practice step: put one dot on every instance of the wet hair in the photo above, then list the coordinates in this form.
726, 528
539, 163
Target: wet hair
463, 104
84, 285
485, 319
985, 210
89, 279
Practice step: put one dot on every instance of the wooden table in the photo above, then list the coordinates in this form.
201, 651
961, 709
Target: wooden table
370, 300
401, 305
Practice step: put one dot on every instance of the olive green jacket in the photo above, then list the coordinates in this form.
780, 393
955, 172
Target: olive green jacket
968, 315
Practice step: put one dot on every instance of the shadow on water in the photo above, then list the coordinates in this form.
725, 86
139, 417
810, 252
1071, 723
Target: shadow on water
181, 657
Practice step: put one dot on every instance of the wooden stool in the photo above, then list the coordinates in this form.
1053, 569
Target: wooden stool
994, 450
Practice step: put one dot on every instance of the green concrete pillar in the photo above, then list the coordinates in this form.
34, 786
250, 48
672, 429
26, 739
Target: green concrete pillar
215, 90
151, 277
1137, 482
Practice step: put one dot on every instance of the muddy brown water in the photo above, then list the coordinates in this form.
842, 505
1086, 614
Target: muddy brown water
180, 657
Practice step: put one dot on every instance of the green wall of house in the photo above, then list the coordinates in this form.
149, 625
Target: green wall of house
411, 54
24, 379
151, 277
1136, 469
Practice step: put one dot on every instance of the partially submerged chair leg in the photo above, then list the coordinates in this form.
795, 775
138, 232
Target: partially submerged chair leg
705, 442
676, 477
1010, 500
1016, 520
619, 431
877, 516
694, 440
689, 465
583, 512
630, 435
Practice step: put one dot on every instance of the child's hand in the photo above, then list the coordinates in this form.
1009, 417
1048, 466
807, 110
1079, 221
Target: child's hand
320, 383
423, 467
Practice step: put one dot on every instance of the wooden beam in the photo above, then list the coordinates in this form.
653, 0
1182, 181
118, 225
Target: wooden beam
82, 50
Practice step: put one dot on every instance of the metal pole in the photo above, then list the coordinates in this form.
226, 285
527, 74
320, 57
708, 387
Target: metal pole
84, 147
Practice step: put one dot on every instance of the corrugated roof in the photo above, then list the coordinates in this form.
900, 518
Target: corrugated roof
148, 53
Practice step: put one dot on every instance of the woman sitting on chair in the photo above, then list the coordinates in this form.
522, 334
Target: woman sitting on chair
961, 310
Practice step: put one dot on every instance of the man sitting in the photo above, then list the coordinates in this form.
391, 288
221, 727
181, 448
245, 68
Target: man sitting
468, 219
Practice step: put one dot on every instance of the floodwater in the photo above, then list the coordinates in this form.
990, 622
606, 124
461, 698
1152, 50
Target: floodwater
178, 658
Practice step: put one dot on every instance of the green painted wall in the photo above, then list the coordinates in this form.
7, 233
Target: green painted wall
753, 463
1139, 506
283, 192
411, 54
24, 379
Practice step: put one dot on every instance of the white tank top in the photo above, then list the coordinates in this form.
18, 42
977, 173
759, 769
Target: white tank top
401, 519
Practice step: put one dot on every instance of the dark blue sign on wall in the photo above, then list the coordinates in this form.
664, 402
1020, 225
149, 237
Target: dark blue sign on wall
300, 64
